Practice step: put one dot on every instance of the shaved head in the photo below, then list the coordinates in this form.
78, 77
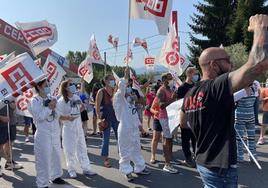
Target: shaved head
210, 54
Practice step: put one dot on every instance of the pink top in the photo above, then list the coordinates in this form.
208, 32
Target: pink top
149, 98
163, 112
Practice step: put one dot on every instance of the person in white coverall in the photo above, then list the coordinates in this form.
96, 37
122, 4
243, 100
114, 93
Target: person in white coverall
128, 132
74, 145
47, 147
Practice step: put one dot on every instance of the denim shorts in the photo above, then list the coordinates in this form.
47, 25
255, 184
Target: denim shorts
218, 177
157, 125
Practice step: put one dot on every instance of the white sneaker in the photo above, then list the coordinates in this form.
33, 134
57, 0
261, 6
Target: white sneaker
170, 169
89, 173
72, 174
27, 139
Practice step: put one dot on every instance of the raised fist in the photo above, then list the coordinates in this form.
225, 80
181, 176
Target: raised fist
257, 21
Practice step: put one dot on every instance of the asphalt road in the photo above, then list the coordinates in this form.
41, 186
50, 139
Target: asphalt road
249, 175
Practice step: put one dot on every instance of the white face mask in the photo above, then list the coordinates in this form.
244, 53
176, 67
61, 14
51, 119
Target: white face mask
72, 89
171, 83
112, 83
129, 90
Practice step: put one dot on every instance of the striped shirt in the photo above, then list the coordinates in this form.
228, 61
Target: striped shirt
245, 109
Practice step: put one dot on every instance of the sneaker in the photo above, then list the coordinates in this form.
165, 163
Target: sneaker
190, 162
59, 181
144, 172
14, 165
1, 174
129, 177
27, 139
72, 174
261, 141
89, 173
170, 169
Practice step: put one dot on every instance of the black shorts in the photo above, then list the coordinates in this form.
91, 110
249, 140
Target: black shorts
265, 118
157, 126
4, 133
84, 115
28, 121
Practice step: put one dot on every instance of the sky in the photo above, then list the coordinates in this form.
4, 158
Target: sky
77, 20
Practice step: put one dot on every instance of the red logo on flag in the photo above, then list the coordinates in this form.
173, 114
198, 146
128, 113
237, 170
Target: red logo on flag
51, 70
156, 7
173, 58
17, 76
149, 61
83, 70
36, 33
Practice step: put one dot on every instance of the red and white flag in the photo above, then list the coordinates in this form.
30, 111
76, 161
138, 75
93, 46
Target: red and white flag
157, 10
3, 57
7, 58
17, 76
22, 102
94, 52
85, 70
129, 56
170, 56
141, 42
178, 81
39, 35
114, 41
136, 84
54, 74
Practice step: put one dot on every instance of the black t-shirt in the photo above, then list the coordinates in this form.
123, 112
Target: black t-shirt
209, 107
183, 89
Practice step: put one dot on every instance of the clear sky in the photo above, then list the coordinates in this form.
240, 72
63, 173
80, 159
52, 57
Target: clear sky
76, 20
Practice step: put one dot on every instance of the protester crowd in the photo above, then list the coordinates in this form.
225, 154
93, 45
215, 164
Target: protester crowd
219, 107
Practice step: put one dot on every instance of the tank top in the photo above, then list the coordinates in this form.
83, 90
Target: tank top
106, 107
163, 112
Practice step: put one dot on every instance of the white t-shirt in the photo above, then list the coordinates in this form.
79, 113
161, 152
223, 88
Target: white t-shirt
71, 108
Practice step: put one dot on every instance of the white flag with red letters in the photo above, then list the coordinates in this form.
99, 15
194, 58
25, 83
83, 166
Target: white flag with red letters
141, 42
94, 52
129, 56
39, 35
170, 56
54, 74
22, 102
114, 41
85, 70
135, 84
17, 76
157, 10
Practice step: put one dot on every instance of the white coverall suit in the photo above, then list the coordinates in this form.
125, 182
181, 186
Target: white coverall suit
73, 138
47, 147
128, 132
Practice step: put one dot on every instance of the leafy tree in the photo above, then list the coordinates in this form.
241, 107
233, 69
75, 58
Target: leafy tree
209, 26
237, 29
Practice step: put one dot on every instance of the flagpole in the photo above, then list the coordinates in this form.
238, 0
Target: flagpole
104, 63
9, 139
128, 29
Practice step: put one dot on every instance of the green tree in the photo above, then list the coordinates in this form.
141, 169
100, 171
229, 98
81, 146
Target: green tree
238, 54
209, 26
237, 29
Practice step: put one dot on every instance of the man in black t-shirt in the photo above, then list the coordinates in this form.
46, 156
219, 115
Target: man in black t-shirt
208, 108
187, 135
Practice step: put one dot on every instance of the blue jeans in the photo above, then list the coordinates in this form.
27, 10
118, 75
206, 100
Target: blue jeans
106, 137
218, 177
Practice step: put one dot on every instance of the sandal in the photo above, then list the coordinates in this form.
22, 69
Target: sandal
153, 161
107, 164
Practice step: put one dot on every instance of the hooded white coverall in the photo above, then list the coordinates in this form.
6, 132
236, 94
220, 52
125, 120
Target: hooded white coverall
47, 146
128, 132
73, 138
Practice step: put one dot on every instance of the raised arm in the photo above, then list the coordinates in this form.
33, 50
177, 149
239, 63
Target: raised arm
258, 58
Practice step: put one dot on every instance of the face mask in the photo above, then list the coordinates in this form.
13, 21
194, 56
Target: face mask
72, 89
46, 91
129, 90
112, 83
171, 83
195, 78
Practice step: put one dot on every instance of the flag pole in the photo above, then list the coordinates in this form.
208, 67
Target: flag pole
9, 139
128, 29
104, 63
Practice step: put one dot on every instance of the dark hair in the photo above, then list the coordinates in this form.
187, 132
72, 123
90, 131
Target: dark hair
39, 84
63, 90
105, 79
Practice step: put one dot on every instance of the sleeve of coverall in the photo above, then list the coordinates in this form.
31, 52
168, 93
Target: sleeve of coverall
39, 112
119, 98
